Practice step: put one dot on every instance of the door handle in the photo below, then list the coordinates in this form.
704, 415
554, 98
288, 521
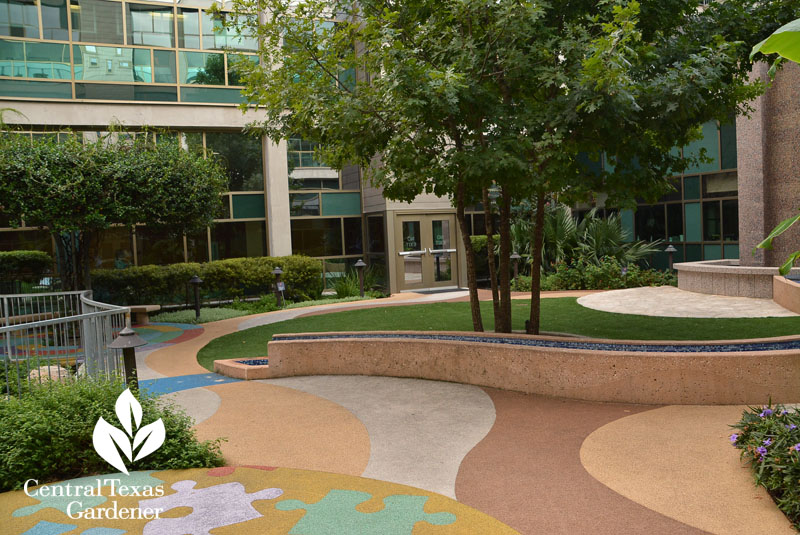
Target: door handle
441, 251
411, 253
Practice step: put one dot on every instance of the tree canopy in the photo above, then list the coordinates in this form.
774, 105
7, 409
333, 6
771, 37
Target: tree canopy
79, 189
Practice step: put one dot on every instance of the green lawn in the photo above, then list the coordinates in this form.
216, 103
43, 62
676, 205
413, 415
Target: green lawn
563, 315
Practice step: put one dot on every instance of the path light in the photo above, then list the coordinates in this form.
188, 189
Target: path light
196, 282
360, 265
515, 258
494, 192
279, 285
671, 250
128, 341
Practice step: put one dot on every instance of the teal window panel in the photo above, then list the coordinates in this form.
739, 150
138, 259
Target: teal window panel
691, 187
97, 21
712, 252
150, 25
112, 64
727, 140
215, 37
201, 68
141, 93
248, 206
236, 62
164, 66
731, 251
54, 20
25, 88
694, 225
694, 252
188, 28
341, 204
35, 60
709, 142
608, 163
211, 94
627, 217
20, 18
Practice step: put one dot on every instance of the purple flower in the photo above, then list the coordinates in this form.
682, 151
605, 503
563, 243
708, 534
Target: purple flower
767, 442
765, 413
796, 447
761, 451
784, 412
734, 438
790, 427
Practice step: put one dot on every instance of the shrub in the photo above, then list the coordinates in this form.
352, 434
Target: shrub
769, 438
266, 303
606, 275
46, 434
27, 266
348, 286
207, 315
222, 279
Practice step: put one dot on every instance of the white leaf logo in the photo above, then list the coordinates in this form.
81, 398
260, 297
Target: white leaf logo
109, 441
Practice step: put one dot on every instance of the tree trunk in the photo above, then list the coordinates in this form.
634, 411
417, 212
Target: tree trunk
62, 262
472, 283
489, 224
536, 265
505, 259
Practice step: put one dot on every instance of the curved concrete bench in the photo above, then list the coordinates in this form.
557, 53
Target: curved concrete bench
727, 277
786, 293
703, 373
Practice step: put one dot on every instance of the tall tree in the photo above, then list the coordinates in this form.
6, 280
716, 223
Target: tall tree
78, 190
458, 94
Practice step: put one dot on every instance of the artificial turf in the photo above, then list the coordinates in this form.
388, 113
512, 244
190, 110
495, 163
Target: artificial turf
563, 315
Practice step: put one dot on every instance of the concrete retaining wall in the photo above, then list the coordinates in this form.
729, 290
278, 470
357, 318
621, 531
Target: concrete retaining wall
786, 293
616, 376
727, 277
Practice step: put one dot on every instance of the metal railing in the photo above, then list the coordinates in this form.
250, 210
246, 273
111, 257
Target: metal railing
56, 336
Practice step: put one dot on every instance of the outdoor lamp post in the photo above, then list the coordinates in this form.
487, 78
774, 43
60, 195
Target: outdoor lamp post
360, 265
196, 282
515, 258
671, 250
494, 192
279, 285
128, 341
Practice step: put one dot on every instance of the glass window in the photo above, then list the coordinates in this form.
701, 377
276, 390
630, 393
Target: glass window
142, 93
224, 210
313, 183
727, 137
26, 240
157, 246
164, 66
215, 37
248, 206
674, 195
711, 221
691, 187
150, 25
351, 177
317, 237
709, 144
241, 154
650, 225
304, 204
54, 20
202, 68
188, 28
112, 64
720, 185
235, 73
353, 243
19, 18
194, 141
211, 94
114, 250
26, 88
301, 154
730, 220
34, 60
375, 235
675, 222
236, 240
341, 204
197, 247
96, 21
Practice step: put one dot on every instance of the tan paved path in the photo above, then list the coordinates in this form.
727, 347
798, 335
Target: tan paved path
670, 301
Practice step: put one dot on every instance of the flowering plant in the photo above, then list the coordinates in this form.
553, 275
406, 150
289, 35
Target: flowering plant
769, 440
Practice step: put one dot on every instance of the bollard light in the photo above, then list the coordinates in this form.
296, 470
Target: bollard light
128, 341
196, 282
279, 286
671, 250
515, 258
360, 265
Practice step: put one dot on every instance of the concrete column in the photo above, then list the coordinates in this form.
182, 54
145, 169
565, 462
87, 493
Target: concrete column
276, 179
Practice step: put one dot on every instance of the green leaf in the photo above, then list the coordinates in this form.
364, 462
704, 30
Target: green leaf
784, 41
787, 266
782, 227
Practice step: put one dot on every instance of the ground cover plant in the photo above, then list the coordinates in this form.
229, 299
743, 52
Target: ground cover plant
207, 315
46, 433
563, 315
605, 274
769, 440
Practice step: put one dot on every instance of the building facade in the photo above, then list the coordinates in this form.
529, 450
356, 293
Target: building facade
84, 65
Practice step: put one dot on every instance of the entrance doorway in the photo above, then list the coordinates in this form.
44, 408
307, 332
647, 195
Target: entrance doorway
427, 255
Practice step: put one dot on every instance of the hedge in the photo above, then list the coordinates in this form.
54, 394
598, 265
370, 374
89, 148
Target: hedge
608, 275
26, 266
222, 279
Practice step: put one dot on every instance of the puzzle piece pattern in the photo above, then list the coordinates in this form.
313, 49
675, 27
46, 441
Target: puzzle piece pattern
44, 527
212, 507
336, 513
137, 479
223, 471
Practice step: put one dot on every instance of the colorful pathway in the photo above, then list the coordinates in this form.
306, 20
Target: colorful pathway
384, 456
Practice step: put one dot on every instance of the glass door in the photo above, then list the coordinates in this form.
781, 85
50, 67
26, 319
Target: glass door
426, 257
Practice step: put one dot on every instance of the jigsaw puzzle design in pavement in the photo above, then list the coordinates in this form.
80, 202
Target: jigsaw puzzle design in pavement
252, 501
